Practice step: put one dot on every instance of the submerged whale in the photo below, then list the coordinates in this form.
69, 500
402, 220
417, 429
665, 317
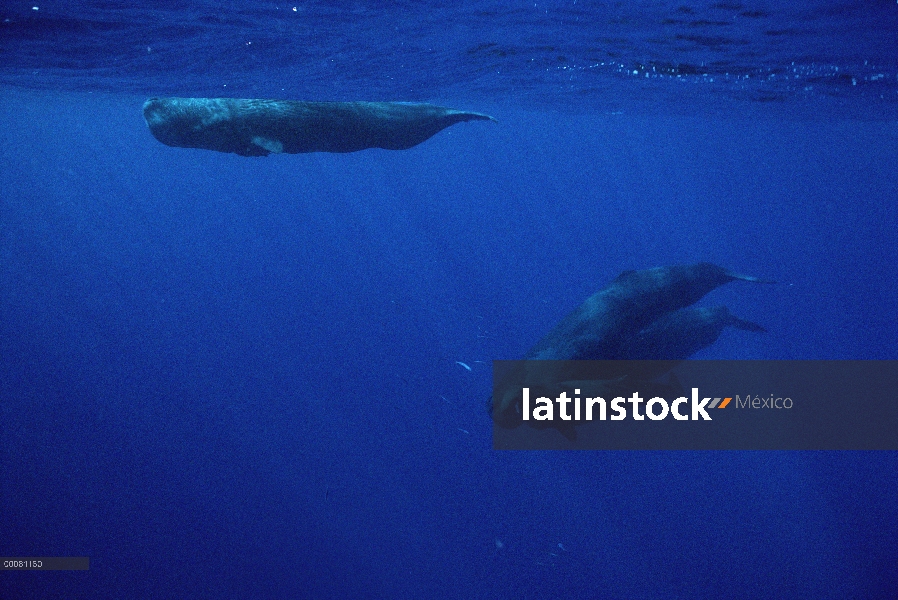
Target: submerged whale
637, 316
263, 127
680, 334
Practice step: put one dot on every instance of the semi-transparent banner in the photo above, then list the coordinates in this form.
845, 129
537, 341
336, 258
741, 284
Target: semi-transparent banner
695, 405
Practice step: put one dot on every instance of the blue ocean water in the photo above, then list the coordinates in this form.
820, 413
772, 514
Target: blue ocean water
239, 377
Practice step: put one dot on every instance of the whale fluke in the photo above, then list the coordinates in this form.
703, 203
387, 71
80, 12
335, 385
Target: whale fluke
262, 127
745, 325
737, 276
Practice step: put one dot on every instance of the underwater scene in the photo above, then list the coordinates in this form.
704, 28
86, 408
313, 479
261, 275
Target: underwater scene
257, 260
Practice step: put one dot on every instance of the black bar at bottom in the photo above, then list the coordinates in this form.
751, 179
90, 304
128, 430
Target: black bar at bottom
44, 563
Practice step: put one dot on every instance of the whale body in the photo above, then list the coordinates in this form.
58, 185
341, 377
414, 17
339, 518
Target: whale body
679, 335
261, 127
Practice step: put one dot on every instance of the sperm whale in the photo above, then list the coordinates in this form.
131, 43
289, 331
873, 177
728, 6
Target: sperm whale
251, 127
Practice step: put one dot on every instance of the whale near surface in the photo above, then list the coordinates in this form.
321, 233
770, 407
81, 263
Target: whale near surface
261, 127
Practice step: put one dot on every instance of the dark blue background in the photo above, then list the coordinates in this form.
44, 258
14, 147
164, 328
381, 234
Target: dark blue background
232, 377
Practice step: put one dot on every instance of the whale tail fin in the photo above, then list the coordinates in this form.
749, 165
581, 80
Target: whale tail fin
741, 277
745, 325
464, 115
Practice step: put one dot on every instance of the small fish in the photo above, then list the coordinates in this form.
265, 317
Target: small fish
464, 431
458, 362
